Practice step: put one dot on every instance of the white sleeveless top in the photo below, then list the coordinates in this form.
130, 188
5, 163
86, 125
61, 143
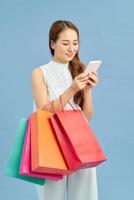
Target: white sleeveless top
57, 78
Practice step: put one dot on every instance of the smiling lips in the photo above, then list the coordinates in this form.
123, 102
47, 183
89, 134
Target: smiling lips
69, 55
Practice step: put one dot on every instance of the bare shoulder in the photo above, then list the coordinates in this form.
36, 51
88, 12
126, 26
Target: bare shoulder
37, 72
37, 75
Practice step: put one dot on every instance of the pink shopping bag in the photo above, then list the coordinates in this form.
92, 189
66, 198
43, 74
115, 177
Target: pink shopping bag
25, 165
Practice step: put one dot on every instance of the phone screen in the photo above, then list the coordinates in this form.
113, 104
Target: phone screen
93, 66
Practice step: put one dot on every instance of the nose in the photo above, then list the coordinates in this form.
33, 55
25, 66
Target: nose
70, 48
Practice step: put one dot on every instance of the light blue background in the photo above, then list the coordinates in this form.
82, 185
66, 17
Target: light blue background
106, 33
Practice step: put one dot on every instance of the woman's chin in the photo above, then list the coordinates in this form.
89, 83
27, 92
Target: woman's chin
68, 59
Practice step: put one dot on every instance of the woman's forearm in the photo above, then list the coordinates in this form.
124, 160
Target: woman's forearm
88, 106
66, 96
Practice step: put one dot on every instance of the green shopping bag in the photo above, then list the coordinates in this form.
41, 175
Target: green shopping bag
13, 164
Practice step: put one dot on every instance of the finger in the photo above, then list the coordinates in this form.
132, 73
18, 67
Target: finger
94, 72
84, 79
91, 83
92, 79
83, 83
92, 75
82, 75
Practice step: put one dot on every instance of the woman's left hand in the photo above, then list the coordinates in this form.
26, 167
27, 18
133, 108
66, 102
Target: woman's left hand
92, 80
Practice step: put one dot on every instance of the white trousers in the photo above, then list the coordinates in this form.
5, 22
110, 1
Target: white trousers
80, 185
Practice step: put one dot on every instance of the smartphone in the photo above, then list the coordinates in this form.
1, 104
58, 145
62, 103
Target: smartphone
93, 66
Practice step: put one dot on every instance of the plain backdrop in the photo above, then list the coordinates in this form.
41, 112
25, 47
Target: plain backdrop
106, 33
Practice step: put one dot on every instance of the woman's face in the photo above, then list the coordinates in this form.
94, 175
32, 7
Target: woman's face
66, 47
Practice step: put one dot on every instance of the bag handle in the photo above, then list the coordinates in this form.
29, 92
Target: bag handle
62, 104
45, 107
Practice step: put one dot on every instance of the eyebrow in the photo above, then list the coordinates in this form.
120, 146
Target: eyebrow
68, 40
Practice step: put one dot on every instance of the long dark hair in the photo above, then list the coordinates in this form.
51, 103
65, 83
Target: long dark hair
75, 66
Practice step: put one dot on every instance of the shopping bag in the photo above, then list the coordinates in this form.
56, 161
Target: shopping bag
76, 139
45, 152
13, 164
25, 165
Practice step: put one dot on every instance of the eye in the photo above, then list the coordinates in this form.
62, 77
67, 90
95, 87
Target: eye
68, 44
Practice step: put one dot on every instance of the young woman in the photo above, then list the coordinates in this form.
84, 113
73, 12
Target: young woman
64, 75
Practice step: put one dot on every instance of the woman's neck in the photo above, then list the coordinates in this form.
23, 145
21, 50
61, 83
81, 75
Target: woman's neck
59, 61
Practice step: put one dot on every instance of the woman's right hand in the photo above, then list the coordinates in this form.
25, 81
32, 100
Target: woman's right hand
79, 82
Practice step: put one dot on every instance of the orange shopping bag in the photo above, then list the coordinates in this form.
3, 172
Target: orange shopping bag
46, 155
25, 164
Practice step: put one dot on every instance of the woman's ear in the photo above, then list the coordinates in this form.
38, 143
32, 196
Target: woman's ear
52, 44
